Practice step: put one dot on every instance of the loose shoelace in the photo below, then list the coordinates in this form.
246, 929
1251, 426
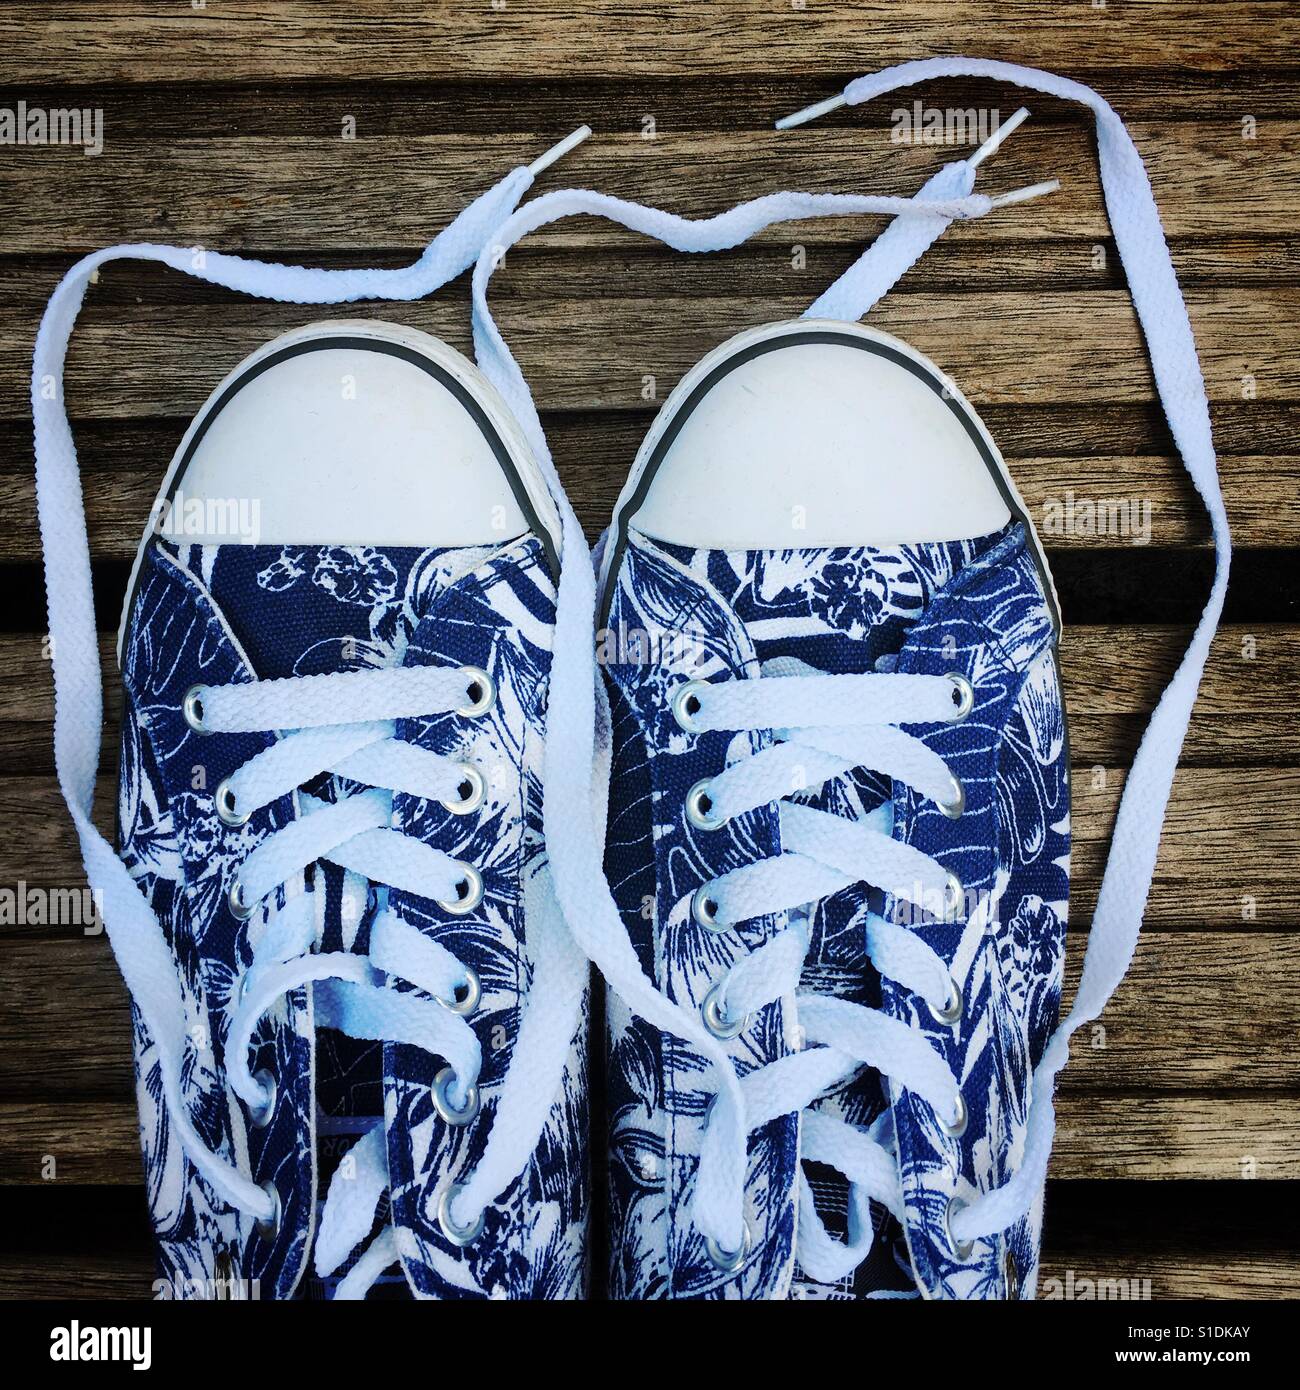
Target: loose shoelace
571, 805
139, 942
824, 726
344, 724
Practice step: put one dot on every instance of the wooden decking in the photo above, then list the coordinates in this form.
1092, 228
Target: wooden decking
1179, 1143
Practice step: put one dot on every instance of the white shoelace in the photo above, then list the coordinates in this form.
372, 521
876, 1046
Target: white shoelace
569, 815
350, 832
344, 724
825, 726
1121, 901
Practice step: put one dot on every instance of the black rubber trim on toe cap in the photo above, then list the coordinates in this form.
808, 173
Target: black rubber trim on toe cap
820, 335
407, 354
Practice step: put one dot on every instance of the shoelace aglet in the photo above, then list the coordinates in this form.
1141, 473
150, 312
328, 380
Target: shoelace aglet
991, 145
810, 113
1023, 195
558, 151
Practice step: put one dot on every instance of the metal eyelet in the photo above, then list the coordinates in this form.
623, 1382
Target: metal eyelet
476, 679
268, 1227
729, 1261
469, 900
717, 1020
1010, 1274
965, 697
192, 708
457, 1235
259, 1115
704, 908
953, 896
235, 898
956, 1127
952, 1008
467, 1002
696, 811
228, 813
960, 1250
442, 1084
223, 1276
956, 804
472, 799
683, 697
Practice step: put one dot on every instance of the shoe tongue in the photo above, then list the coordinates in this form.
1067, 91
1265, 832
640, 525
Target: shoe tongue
845, 612
311, 610
842, 611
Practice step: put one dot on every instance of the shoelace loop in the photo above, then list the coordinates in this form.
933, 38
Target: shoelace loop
824, 726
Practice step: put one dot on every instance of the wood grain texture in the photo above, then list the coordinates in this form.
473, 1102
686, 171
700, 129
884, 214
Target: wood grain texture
1112, 677
1229, 855
1263, 503
1029, 347
1185, 1274
94, 40
1151, 1137
259, 193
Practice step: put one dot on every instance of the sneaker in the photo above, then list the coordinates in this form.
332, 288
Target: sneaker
839, 816
359, 1022
334, 656
838, 809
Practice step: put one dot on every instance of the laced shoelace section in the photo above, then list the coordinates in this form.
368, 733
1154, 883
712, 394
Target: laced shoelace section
345, 725
824, 726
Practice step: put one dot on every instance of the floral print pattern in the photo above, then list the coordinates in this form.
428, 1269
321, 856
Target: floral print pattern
974, 606
236, 613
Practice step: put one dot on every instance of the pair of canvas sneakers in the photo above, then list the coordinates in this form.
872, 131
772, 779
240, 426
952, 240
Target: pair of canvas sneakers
790, 768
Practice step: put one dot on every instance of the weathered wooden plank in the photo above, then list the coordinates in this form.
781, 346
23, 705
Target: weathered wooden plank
608, 440
81, 1143
1075, 503
1152, 1137
109, 1274
1112, 675
1190, 1274
94, 40
1199, 1011
1134, 1272
1227, 851
1042, 348
1162, 1138
326, 192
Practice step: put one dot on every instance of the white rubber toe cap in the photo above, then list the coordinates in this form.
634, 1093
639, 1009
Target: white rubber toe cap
817, 434
360, 433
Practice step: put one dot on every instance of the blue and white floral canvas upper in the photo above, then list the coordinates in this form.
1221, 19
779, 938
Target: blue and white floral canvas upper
976, 607
215, 615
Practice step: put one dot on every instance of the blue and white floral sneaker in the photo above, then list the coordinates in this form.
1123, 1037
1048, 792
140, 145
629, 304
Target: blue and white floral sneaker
331, 793
832, 907
360, 1024
838, 817
739, 1108
839, 820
